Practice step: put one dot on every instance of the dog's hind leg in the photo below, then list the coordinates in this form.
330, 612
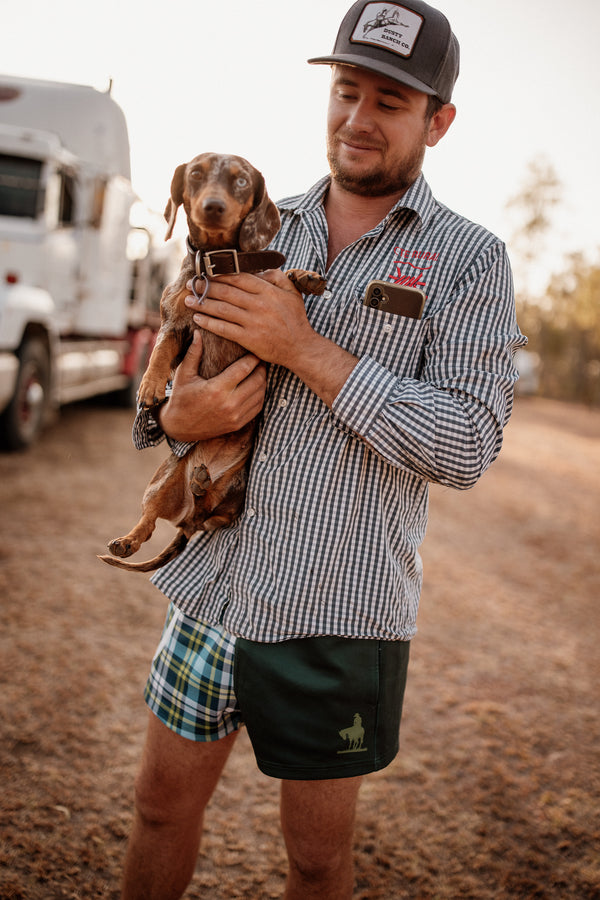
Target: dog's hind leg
131, 543
165, 497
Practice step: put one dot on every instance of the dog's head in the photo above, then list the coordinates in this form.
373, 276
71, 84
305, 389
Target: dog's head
226, 203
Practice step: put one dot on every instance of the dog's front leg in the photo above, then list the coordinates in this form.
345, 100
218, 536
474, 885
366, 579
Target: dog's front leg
162, 360
307, 282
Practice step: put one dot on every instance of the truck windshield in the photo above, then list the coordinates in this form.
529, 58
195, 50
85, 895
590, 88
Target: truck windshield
19, 186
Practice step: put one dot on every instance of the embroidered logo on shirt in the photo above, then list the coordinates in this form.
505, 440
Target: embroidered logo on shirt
354, 735
412, 267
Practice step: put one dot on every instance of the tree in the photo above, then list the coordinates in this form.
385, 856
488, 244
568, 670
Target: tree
539, 195
563, 322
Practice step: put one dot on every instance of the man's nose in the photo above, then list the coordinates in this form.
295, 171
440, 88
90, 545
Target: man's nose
361, 116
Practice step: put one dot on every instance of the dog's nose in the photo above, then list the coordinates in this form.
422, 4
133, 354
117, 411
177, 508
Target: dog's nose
214, 206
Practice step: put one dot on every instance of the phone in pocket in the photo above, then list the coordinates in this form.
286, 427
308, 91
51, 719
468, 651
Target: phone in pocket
397, 299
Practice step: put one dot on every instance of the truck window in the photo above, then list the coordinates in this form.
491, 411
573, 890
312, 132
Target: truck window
20, 186
66, 210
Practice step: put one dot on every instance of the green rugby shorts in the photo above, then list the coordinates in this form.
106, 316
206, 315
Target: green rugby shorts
321, 707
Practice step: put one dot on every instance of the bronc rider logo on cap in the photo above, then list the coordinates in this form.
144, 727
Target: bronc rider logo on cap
388, 25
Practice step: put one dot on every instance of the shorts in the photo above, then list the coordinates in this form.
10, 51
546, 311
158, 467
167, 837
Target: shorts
317, 707
190, 686
322, 707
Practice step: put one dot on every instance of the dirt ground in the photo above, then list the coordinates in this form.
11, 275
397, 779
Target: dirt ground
496, 791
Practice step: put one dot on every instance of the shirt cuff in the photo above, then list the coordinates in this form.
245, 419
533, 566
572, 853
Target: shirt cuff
363, 395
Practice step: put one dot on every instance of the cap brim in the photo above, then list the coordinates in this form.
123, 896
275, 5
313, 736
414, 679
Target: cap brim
376, 66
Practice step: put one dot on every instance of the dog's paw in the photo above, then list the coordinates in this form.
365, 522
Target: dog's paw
200, 481
151, 392
307, 282
122, 547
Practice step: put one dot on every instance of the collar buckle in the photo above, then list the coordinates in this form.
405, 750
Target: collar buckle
209, 265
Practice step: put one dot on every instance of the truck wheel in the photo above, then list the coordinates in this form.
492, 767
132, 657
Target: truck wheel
22, 420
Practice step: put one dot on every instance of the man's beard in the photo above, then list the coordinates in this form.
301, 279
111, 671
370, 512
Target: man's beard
379, 182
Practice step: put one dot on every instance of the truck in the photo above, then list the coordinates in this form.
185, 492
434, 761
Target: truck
80, 282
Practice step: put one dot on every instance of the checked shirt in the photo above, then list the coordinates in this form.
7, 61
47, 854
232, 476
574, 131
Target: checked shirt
336, 506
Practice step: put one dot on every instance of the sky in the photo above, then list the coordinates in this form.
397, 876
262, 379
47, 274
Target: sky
207, 75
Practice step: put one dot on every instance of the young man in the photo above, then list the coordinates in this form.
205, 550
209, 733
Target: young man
311, 596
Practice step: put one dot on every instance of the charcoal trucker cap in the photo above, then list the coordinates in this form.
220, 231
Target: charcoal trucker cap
408, 42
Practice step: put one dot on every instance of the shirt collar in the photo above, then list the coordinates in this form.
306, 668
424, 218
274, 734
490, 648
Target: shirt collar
417, 198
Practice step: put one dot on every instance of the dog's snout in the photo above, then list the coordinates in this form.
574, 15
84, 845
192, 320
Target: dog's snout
214, 206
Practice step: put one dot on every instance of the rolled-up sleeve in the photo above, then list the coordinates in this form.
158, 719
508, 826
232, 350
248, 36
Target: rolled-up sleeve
147, 432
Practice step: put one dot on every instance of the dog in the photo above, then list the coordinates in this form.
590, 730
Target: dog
230, 220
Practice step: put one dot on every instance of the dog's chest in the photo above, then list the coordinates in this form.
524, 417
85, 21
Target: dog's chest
217, 354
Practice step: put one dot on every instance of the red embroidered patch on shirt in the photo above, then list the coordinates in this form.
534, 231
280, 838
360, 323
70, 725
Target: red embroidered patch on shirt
412, 267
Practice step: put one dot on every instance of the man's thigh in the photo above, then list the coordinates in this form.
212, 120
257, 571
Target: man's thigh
177, 776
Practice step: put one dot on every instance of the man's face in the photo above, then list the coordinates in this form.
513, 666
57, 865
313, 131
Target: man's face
376, 132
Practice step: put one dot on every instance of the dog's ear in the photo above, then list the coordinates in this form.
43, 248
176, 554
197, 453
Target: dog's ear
176, 198
262, 222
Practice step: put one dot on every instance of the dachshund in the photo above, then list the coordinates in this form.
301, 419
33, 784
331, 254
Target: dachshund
230, 220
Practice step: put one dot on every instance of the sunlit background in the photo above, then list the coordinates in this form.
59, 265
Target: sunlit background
197, 75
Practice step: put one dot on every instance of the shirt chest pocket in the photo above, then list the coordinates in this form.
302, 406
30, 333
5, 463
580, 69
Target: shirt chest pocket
395, 342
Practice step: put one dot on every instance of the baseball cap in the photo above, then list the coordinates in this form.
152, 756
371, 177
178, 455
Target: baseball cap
408, 42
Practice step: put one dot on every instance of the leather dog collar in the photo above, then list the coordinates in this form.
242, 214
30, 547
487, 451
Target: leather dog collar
230, 261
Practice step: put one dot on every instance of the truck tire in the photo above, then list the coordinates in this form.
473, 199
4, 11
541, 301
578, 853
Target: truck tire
24, 417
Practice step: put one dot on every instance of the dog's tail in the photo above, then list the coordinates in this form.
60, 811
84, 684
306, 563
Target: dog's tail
170, 552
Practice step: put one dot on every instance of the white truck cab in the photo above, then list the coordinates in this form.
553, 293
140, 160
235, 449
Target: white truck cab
78, 310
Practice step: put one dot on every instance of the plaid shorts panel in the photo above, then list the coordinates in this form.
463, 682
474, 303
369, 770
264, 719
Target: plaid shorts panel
190, 686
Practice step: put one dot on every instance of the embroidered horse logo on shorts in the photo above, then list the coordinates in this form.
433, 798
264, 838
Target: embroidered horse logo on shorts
354, 735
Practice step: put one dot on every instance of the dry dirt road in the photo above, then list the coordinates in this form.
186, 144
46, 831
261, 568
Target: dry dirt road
496, 791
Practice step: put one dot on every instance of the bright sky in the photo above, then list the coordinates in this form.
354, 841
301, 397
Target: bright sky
198, 75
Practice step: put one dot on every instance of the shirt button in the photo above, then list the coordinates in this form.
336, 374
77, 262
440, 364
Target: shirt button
283, 402
262, 457
387, 328
327, 295
250, 512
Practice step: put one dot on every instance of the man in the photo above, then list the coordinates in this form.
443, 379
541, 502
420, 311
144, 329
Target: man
311, 596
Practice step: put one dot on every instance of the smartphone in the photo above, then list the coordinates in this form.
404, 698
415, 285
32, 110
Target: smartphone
395, 298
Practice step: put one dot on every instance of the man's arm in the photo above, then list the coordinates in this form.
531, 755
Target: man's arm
200, 409
445, 426
266, 315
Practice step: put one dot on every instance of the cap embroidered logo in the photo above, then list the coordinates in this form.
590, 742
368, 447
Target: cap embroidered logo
388, 25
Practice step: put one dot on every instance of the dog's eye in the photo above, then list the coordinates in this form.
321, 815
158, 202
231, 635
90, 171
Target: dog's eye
241, 182
196, 173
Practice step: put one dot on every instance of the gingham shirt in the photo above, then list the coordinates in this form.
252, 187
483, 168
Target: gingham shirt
336, 505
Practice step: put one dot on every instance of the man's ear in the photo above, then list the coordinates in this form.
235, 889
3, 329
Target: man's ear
440, 123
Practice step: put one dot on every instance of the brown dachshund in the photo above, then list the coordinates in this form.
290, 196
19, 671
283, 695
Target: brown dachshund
230, 220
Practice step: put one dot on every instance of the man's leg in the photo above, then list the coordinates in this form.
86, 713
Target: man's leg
317, 819
175, 782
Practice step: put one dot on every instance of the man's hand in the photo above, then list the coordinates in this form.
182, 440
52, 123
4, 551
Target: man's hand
201, 408
266, 315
